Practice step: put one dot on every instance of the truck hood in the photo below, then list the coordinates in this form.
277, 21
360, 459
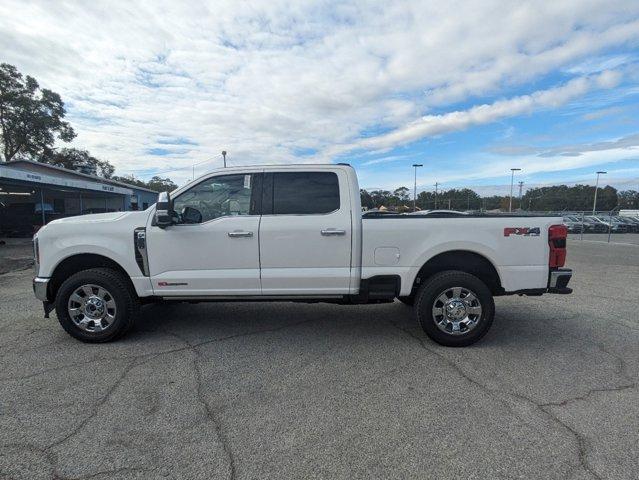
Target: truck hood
91, 218
97, 223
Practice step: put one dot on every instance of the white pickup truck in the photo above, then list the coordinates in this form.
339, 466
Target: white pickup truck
293, 233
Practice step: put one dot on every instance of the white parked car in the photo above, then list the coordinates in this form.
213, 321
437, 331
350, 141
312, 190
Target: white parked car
291, 233
441, 213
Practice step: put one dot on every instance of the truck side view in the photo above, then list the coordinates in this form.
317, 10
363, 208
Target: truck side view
291, 233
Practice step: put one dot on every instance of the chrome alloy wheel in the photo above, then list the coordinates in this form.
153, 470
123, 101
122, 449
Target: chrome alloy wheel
92, 308
456, 310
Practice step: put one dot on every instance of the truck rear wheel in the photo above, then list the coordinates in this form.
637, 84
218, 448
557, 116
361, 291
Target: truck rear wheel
455, 308
96, 305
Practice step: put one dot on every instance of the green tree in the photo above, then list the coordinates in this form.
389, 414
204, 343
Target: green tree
366, 199
156, 183
494, 202
563, 197
79, 160
629, 199
30, 117
381, 198
460, 199
161, 184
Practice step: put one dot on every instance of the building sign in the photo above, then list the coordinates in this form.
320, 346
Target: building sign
17, 174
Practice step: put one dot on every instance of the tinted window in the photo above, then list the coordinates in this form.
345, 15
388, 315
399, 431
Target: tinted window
305, 193
215, 197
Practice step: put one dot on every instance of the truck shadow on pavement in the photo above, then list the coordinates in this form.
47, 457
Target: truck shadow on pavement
206, 322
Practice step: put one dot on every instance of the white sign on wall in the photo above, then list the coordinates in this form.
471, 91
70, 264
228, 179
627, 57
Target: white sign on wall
15, 174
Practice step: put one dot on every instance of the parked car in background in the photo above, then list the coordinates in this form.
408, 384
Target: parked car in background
631, 223
589, 225
572, 225
435, 213
595, 225
609, 223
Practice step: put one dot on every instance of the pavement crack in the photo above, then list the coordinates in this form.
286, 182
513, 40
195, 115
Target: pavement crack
210, 411
105, 398
211, 415
581, 443
110, 473
587, 395
154, 354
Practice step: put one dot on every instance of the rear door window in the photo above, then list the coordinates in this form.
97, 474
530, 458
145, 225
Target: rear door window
304, 193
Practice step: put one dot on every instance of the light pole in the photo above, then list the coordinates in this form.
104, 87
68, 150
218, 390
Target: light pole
512, 178
594, 204
521, 186
415, 165
436, 185
224, 157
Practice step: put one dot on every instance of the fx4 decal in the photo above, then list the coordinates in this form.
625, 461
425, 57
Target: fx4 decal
522, 231
171, 284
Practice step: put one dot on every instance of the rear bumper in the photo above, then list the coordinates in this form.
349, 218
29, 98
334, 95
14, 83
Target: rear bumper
40, 288
558, 281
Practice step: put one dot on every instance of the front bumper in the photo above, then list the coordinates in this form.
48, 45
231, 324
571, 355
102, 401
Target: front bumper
558, 281
41, 288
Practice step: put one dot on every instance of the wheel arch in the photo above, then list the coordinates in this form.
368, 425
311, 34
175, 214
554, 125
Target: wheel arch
78, 262
463, 260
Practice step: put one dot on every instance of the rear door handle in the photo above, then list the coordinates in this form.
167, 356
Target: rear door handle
333, 231
240, 233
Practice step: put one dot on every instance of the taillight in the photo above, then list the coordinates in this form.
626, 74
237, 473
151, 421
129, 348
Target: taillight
557, 240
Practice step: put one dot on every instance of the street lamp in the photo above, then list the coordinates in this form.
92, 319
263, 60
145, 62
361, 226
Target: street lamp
512, 178
415, 165
224, 157
594, 204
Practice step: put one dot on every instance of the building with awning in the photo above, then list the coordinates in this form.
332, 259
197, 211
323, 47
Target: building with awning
33, 193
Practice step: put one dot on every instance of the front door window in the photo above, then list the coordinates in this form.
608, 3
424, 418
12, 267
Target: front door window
222, 196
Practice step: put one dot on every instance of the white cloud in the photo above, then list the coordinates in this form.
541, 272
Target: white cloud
431, 125
265, 80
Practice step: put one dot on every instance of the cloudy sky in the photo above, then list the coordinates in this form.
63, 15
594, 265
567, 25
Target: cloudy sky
469, 89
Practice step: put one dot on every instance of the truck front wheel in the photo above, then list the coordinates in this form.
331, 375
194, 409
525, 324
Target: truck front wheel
96, 305
455, 308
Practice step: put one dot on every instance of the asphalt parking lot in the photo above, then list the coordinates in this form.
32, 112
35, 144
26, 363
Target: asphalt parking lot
288, 390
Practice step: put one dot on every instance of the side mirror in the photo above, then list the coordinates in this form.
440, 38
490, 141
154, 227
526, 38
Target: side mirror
164, 210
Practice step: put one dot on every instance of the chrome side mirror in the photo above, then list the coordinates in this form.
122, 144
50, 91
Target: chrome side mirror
164, 210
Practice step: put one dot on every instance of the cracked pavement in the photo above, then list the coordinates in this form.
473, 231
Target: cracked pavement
283, 390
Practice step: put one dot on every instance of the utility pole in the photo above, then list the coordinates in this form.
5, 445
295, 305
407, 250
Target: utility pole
224, 157
594, 204
436, 185
415, 166
512, 177
521, 186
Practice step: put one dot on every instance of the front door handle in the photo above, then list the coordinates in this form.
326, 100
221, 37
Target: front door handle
333, 231
240, 233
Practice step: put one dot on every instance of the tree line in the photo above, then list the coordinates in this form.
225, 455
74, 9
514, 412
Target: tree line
553, 198
32, 118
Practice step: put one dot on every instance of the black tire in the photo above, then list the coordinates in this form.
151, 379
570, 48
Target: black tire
409, 301
120, 290
428, 295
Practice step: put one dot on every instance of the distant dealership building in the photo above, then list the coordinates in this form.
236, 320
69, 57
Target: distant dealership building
33, 193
